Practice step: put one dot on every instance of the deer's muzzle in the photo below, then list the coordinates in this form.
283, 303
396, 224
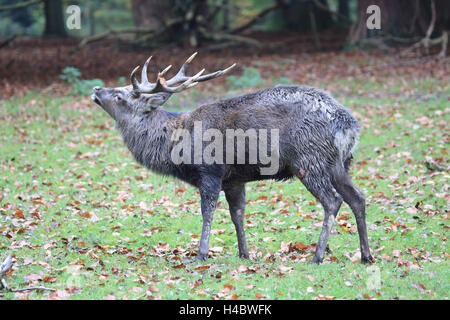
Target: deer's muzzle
95, 97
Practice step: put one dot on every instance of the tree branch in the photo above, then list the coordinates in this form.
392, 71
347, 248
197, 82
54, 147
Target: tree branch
426, 42
103, 35
137, 30
230, 37
323, 7
256, 18
19, 5
31, 288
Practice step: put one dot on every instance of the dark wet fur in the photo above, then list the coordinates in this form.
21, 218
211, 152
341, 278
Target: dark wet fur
317, 139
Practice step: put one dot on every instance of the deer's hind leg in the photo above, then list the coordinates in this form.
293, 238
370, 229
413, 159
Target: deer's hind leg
235, 196
355, 199
319, 184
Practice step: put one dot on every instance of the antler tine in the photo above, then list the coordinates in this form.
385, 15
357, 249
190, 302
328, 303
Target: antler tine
134, 81
165, 70
160, 87
190, 81
144, 78
181, 76
215, 74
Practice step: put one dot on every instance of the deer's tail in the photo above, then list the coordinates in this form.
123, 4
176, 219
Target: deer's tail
346, 136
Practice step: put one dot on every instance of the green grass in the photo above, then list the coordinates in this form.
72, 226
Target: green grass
96, 225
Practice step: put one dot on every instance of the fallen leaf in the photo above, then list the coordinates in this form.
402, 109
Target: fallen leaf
19, 214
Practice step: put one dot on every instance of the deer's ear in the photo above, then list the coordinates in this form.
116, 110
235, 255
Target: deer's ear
157, 99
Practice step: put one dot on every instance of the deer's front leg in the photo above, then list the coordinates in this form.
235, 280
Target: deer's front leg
209, 192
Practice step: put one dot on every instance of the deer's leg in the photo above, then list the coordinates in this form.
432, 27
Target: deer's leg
235, 196
355, 199
331, 205
209, 192
321, 187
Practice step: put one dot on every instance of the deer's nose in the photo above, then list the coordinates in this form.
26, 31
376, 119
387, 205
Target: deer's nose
96, 89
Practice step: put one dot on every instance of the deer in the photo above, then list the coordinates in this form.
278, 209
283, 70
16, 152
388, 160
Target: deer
316, 141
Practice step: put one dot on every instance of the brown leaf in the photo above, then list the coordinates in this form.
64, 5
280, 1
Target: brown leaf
365, 295
85, 214
322, 297
36, 215
228, 287
197, 283
202, 267
19, 214
299, 246
419, 286
49, 279
260, 296
180, 190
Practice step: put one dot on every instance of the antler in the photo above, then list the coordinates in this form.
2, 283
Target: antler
161, 85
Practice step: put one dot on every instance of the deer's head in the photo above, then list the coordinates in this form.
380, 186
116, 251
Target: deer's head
145, 96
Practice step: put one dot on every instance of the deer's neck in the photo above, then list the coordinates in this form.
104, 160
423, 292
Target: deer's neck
148, 137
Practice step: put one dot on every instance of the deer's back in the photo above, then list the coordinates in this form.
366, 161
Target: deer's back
278, 107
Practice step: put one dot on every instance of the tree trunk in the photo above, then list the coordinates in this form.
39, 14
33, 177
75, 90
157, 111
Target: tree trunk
226, 14
152, 13
343, 8
91, 18
401, 18
323, 17
54, 19
298, 15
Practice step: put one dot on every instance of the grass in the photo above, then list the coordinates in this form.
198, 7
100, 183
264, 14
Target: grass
81, 216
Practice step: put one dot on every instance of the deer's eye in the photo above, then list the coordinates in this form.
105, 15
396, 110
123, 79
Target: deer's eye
118, 98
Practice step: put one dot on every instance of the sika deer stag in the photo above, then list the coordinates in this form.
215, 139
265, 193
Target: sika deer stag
315, 140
